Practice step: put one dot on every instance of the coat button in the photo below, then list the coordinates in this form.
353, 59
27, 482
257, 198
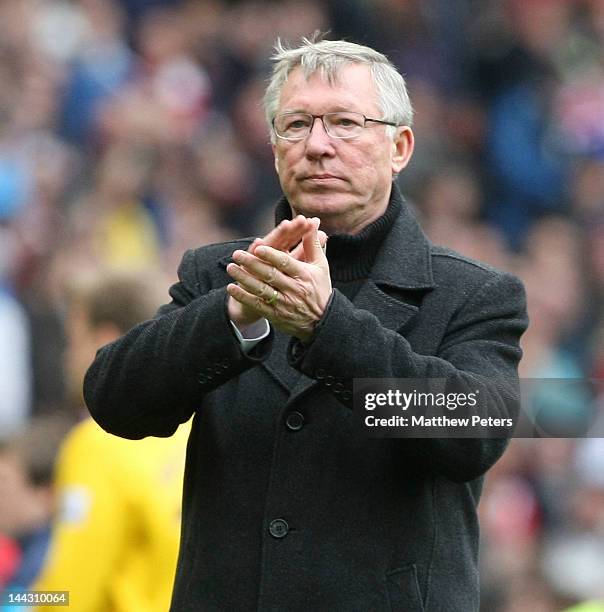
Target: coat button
278, 528
320, 374
298, 350
294, 421
201, 379
329, 379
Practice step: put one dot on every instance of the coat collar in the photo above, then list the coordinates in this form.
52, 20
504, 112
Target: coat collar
404, 260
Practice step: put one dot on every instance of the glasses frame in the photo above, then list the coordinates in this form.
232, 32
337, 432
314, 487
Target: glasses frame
315, 117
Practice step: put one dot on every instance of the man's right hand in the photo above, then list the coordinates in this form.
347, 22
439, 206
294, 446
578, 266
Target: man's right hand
286, 237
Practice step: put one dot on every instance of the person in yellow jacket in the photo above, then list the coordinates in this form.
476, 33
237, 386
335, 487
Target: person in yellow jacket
115, 536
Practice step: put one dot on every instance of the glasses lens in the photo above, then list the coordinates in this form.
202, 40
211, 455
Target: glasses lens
293, 125
343, 124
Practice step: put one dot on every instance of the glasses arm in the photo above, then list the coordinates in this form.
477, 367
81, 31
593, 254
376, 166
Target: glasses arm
382, 121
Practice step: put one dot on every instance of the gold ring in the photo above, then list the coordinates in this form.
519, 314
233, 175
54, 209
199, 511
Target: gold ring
273, 298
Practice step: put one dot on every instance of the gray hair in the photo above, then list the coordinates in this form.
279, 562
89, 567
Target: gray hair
329, 56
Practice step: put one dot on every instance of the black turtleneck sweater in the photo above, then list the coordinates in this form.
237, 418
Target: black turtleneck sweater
351, 257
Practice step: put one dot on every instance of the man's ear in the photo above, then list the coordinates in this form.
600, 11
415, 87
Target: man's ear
403, 145
274, 148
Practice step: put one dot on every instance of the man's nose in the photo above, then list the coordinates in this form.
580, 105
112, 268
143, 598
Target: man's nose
318, 141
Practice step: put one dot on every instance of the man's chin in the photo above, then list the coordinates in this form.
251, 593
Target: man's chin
316, 206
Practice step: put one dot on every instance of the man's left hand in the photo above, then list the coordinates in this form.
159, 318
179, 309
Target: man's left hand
291, 294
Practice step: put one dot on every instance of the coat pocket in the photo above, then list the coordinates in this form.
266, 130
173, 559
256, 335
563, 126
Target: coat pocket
403, 590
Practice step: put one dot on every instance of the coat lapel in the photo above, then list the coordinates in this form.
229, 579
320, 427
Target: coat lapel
277, 365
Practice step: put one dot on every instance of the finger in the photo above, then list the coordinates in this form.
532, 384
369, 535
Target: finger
253, 302
284, 262
313, 250
290, 234
262, 270
293, 232
286, 235
298, 252
276, 237
254, 244
249, 282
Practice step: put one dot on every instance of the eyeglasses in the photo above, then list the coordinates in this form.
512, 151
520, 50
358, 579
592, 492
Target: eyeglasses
342, 124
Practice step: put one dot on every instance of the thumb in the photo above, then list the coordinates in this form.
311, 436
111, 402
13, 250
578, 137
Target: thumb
313, 245
323, 240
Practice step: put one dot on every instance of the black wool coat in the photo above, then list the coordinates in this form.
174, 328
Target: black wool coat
286, 506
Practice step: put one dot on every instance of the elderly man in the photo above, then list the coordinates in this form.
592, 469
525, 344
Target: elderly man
287, 506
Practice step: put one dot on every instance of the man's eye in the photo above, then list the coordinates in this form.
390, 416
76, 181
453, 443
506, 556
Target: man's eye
345, 122
297, 124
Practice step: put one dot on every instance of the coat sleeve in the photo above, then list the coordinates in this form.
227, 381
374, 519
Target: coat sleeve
154, 377
480, 350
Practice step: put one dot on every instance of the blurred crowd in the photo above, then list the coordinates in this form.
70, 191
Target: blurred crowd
132, 130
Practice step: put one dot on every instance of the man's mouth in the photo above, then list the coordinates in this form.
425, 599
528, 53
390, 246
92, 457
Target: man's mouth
322, 177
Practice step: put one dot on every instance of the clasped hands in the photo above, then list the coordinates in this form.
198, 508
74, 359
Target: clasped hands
283, 277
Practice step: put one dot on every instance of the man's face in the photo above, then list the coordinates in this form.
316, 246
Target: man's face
346, 183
